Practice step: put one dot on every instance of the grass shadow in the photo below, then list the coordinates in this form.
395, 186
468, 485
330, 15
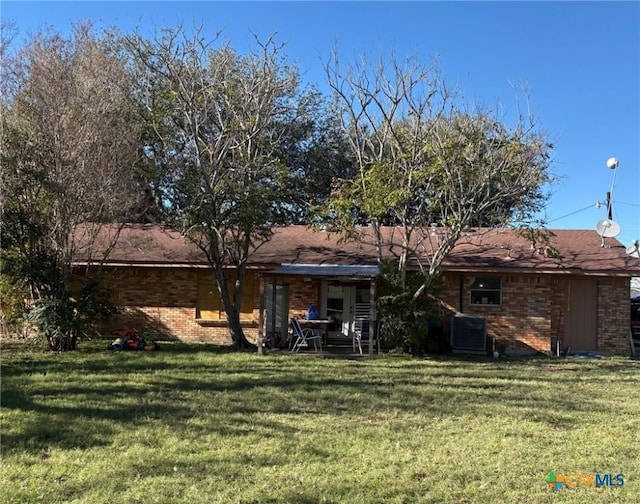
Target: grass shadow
81, 399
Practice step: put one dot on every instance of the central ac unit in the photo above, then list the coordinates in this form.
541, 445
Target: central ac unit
468, 334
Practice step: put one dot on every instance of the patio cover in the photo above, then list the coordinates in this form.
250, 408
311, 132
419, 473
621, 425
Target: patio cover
340, 271
328, 270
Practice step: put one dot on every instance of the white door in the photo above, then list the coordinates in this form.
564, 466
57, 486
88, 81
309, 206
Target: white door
340, 307
345, 304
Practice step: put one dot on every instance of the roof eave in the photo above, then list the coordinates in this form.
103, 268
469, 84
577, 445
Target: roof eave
541, 271
157, 264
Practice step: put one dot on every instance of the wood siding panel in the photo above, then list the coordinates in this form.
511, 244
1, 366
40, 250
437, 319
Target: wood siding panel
582, 315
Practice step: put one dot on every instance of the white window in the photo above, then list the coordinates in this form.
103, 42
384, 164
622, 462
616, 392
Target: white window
486, 291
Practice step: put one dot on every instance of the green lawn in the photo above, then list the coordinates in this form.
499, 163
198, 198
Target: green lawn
195, 424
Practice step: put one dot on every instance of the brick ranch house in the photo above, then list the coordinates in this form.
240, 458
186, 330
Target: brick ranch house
532, 301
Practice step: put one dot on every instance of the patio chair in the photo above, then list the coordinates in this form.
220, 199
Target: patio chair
361, 334
307, 337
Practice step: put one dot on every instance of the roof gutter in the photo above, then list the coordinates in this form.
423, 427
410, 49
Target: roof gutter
543, 271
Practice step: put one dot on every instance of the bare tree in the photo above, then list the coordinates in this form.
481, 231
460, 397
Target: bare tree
218, 120
427, 167
386, 112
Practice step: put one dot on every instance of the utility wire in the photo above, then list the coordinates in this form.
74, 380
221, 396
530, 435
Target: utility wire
591, 206
570, 214
628, 204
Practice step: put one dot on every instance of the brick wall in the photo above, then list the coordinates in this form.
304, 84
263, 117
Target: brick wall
521, 324
163, 301
531, 316
302, 292
614, 315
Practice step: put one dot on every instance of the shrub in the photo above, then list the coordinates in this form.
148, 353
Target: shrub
406, 320
62, 317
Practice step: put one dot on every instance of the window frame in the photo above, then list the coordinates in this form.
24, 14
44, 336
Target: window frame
209, 305
489, 292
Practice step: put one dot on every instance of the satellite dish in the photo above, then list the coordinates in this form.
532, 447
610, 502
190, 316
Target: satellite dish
608, 228
634, 249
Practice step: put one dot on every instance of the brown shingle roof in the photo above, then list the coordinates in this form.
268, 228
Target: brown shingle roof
572, 250
579, 251
153, 244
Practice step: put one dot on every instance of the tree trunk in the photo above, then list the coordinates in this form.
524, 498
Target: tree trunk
238, 338
231, 305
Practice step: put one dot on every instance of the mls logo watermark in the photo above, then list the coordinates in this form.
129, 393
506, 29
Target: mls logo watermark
577, 480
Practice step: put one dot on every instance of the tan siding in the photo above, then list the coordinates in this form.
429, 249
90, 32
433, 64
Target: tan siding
580, 332
209, 304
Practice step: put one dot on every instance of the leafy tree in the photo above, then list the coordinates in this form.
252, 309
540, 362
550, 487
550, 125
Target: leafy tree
69, 147
223, 129
317, 161
426, 166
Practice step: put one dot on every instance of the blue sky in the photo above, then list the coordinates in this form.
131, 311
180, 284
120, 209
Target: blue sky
580, 60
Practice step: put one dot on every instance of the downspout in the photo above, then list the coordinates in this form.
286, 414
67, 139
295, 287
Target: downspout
261, 315
372, 315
